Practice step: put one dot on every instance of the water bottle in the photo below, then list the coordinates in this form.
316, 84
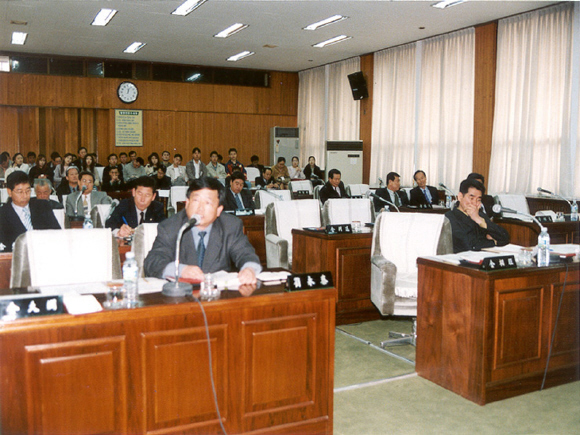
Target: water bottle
544, 248
448, 201
131, 280
88, 223
574, 211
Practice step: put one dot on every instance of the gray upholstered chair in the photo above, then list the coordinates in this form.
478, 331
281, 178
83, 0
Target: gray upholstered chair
281, 218
316, 191
357, 190
100, 213
398, 240
61, 257
347, 210
300, 185
143, 239
263, 197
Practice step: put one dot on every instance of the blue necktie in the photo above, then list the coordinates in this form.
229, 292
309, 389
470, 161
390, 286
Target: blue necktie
27, 219
427, 195
238, 202
201, 248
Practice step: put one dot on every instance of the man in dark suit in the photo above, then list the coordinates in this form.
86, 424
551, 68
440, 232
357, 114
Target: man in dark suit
265, 180
140, 208
391, 193
214, 244
19, 215
114, 182
236, 197
334, 188
423, 194
42, 189
70, 184
112, 165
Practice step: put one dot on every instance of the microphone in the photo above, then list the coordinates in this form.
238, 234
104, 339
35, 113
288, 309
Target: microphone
264, 189
447, 189
114, 205
314, 177
554, 194
176, 288
374, 195
380, 181
77, 202
497, 208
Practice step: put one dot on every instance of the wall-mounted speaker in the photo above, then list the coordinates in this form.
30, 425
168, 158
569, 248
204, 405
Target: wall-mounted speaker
358, 84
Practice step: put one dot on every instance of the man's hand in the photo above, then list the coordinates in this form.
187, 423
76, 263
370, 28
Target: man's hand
247, 276
473, 213
125, 231
192, 272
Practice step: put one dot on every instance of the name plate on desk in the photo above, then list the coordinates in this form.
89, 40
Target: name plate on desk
244, 212
18, 307
498, 263
339, 229
308, 281
544, 219
302, 192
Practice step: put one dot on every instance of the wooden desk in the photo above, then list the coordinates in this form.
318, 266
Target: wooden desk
254, 229
526, 233
537, 203
146, 370
5, 269
348, 258
486, 335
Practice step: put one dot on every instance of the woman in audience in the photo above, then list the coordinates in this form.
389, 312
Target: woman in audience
153, 164
89, 164
40, 170
60, 170
295, 171
311, 169
17, 165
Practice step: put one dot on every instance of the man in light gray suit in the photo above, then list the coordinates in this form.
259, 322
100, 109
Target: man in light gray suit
214, 244
195, 168
81, 203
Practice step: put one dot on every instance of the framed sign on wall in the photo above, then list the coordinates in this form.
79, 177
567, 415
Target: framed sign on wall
128, 128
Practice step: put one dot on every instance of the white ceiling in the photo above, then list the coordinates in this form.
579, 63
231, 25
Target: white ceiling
62, 27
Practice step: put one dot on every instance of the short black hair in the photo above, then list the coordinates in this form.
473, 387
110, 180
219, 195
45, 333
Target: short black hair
332, 173
144, 181
471, 182
476, 176
207, 183
295, 157
163, 168
54, 155
166, 152
419, 172
122, 154
16, 178
178, 155
87, 173
82, 148
391, 176
4, 157
140, 160
111, 155
232, 149
195, 149
266, 168
213, 152
237, 175
31, 154
254, 158
132, 153
281, 159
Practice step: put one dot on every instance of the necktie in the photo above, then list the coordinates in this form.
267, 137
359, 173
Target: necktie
337, 190
201, 248
427, 195
238, 202
142, 215
85, 205
27, 219
397, 199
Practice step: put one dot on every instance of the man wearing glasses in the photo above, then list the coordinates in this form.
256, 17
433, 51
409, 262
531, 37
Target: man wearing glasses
80, 203
19, 215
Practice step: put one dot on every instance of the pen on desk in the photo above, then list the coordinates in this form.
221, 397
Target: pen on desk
125, 220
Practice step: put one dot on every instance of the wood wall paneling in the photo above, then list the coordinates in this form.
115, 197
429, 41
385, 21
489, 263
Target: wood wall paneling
366, 114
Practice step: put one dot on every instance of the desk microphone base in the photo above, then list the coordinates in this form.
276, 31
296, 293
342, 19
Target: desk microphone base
177, 289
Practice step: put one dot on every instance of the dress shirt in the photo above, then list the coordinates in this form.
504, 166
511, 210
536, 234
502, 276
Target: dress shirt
21, 214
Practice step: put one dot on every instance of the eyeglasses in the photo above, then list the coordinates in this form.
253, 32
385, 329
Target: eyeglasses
22, 192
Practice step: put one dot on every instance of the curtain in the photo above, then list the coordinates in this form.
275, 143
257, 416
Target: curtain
343, 111
311, 113
533, 143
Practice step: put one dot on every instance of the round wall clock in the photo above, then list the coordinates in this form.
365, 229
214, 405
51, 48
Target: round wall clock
127, 92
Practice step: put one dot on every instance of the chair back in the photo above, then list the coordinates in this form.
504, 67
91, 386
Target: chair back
145, 235
100, 170
357, 190
99, 214
347, 210
297, 185
3, 195
317, 190
84, 256
177, 194
59, 215
252, 173
515, 202
263, 198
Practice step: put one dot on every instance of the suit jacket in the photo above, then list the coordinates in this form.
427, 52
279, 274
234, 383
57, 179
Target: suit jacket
468, 236
96, 198
328, 192
126, 209
11, 226
118, 186
227, 249
190, 170
418, 198
229, 202
382, 192
107, 177
63, 189
55, 205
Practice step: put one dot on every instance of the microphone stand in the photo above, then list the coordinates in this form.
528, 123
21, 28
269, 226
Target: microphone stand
76, 218
555, 195
499, 209
264, 189
176, 288
374, 195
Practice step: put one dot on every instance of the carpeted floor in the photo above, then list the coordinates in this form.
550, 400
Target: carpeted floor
379, 394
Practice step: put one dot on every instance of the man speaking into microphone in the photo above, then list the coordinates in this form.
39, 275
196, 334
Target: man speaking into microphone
215, 243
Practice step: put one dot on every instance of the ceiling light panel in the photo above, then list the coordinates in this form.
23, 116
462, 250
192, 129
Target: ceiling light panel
447, 3
19, 38
240, 56
332, 41
187, 7
325, 22
234, 28
134, 47
103, 17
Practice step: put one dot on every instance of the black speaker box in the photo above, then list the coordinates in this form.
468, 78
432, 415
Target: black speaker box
358, 84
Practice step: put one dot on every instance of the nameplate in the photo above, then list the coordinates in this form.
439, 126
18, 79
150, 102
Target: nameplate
245, 212
30, 306
338, 229
308, 281
498, 263
302, 192
425, 206
544, 219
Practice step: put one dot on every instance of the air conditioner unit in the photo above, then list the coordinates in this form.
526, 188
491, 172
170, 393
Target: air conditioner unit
347, 157
284, 142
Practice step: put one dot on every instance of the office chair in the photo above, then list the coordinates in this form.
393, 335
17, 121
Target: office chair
263, 198
398, 240
357, 190
143, 239
99, 214
345, 211
281, 218
300, 185
515, 202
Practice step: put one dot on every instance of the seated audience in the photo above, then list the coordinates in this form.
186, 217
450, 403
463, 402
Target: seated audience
55, 160
295, 171
17, 165
423, 194
114, 182
140, 208
255, 163
40, 170
80, 203
154, 163
60, 170
487, 201
166, 159
112, 164
471, 227
311, 169
236, 197
215, 169
70, 183
89, 164
82, 152
216, 243
162, 181
233, 162
334, 188
391, 193
43, 189
280, 173
31, 159
176, 172
132, 158
123, 158
134, 170
4, 164
19, 214
266, 180
195, 168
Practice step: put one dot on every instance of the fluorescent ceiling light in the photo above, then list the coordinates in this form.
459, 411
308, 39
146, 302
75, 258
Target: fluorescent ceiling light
103, 17
446, 3
331, 41
134, 47
188, 6
234, 28
239, 56
193, 77
19, 38
326, 22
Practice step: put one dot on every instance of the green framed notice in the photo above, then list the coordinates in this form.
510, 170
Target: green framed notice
128, 128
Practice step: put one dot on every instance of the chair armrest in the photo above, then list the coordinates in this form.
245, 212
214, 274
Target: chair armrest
383, 276
276, 251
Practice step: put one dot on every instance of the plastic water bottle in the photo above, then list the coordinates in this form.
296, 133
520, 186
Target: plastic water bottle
448, 201
544, 248
88, 223
131, 279
574, 211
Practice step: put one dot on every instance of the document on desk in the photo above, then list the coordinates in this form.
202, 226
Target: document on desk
473, 257
146, 285
507, 249
81, 304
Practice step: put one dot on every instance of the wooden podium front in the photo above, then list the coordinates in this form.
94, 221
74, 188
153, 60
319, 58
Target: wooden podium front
146, 370
486, 335
348, 258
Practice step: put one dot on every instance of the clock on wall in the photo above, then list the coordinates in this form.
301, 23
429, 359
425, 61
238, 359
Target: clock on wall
127, 92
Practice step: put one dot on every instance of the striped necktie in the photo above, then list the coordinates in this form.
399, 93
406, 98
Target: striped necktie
27, 219
238, 202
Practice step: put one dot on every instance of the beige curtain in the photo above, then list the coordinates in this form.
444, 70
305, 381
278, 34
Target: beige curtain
311, 113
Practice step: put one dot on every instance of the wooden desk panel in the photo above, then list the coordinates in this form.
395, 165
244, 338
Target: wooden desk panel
537, 203
254, 229
5, 269
146, 370
526, 233
486, 336
348, 258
